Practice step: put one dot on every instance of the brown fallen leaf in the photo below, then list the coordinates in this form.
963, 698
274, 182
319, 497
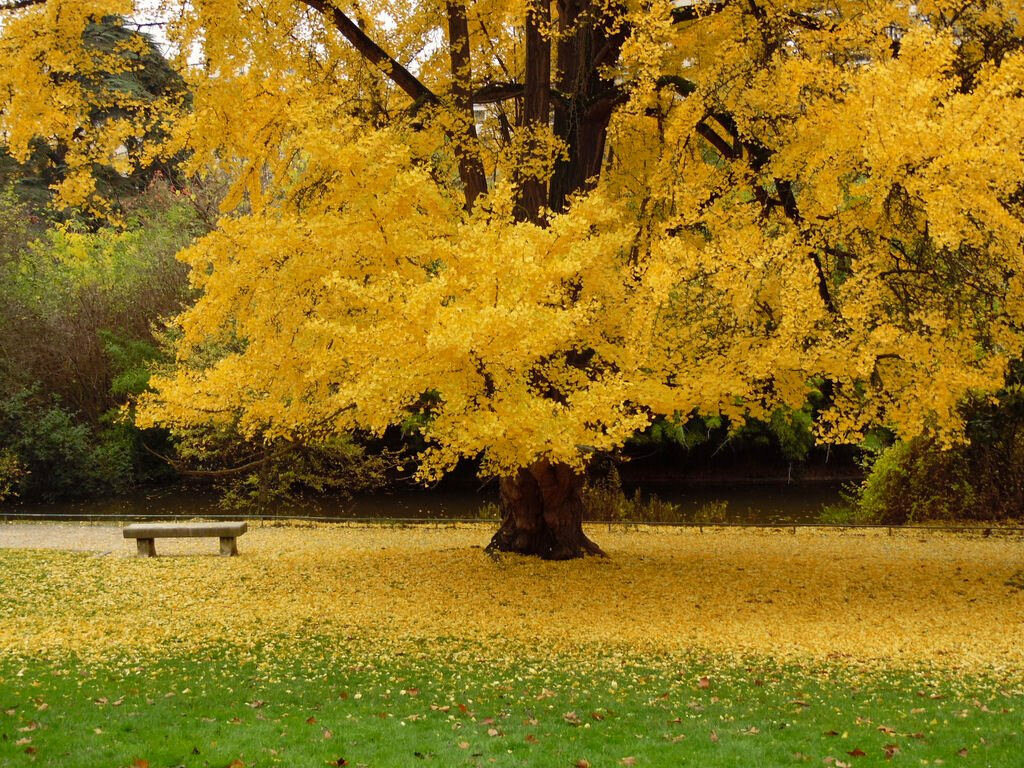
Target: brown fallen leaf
140, 763
571, 718
582, 763
891, 750
531, 739
236, 763
310, 720
463, 745
714, 736
704, 682
628, 761
857, 752
328, 734
962, 752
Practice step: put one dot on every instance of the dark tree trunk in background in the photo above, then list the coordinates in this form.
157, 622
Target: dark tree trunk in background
536, 101
589, 39
542, 514
471, 166
590, 36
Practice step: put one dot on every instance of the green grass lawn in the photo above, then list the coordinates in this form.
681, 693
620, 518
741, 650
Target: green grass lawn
468, 705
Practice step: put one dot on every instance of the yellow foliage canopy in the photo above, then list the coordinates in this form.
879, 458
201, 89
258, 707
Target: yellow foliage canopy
784, 192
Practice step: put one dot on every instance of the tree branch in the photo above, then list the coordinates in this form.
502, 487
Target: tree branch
373, 53
17, 5
681, 85
492, 93
691, 10
712, 137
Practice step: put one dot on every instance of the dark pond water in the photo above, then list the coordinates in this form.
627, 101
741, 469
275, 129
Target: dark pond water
743, 502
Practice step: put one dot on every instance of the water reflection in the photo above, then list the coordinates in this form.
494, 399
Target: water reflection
746, 502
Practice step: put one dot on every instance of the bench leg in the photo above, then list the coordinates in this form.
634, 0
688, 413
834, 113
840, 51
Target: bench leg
146, 547
228, 545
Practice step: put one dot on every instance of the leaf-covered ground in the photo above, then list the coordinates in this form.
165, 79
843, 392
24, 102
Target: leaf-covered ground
391, 647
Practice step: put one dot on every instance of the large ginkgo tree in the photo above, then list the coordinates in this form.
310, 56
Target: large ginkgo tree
540, 225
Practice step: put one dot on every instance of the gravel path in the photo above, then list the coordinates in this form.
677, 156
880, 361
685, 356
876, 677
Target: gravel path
78, 537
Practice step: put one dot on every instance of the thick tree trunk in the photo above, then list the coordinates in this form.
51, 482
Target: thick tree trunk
533, 190
471, 166
542, 514
589, 37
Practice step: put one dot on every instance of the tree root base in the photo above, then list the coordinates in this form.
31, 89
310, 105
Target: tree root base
542, 514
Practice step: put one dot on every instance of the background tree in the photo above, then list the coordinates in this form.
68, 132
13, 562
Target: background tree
114, 77
689, 207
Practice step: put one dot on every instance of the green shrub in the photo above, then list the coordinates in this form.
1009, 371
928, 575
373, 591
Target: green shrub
11, 473
914, 481
847, 512
79, 317
981, 478
56, 456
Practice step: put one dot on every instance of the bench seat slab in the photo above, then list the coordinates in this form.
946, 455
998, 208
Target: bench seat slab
183, 530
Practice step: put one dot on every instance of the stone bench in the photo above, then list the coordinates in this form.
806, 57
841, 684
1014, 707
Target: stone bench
146, 533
